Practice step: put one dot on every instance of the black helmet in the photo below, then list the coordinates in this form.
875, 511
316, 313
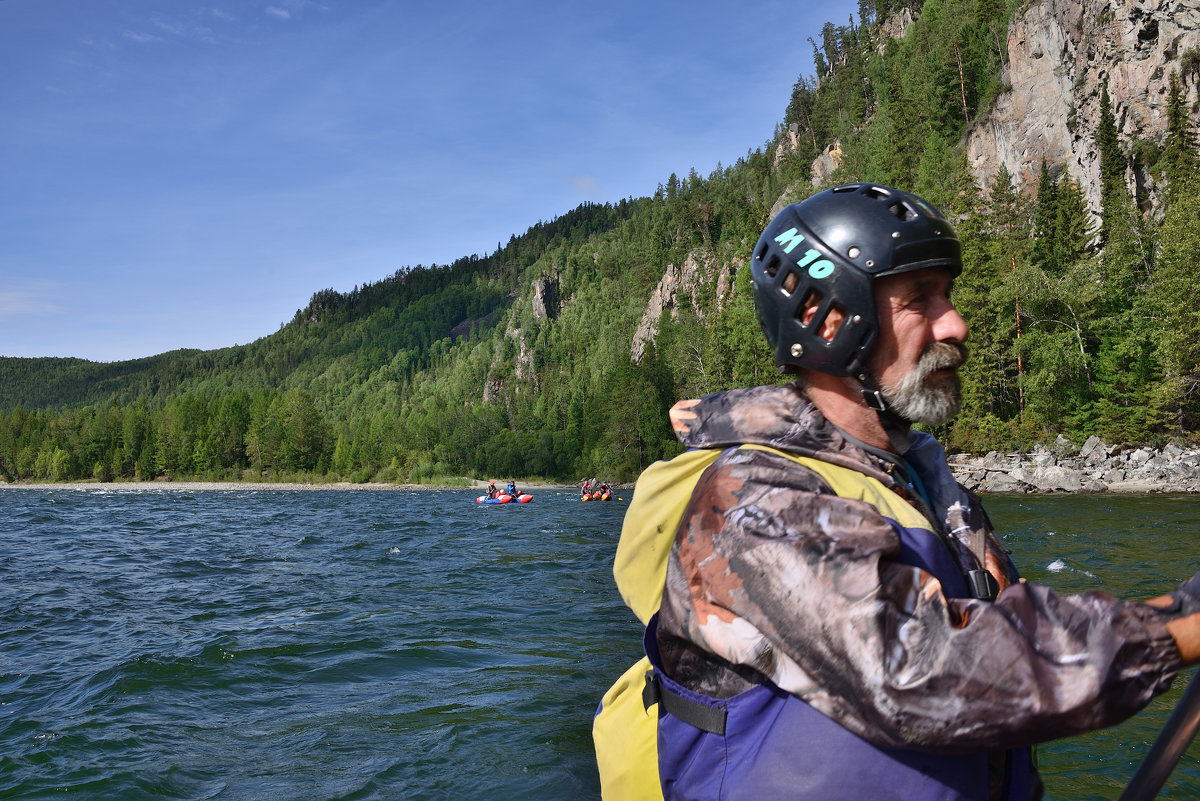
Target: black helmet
826, 252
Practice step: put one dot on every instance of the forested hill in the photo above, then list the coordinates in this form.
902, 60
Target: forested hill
558, 354
396, 321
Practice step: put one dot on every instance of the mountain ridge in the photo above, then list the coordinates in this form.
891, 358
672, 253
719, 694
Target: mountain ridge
558, 354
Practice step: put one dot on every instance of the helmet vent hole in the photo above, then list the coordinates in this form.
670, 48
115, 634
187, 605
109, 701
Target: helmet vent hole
807, 308
875, 192
903, 212
832, 322
790, 282
826, 320
772, 265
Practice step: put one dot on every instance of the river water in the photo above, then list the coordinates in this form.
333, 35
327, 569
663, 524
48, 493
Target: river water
266, 644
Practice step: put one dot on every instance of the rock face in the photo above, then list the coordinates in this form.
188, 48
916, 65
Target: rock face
829, 160
545, 298
1096, 467
1060, 54
697, 268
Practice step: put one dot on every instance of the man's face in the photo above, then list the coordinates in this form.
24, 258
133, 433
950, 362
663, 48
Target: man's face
920, 345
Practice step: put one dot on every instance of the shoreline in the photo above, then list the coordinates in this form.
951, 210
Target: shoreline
997, 486
205, 486
1093, 468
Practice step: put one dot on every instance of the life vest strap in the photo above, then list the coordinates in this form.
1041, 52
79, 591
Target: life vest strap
706, 718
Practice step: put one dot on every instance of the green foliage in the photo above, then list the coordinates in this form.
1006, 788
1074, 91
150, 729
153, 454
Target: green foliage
440, 372
1180, 160
1112, 164
1174, 304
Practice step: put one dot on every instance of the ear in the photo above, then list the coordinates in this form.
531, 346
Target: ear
832, 322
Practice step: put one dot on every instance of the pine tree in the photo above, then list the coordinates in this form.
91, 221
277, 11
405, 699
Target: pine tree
1073, 230
1112, 165
1175, 294
976, 427
937, 172
1060, 294
1179, 152
1045, 217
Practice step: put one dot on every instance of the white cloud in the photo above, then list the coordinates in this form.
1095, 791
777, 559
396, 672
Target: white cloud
140, 38
31, 302
172, 28
280, 13
587, 184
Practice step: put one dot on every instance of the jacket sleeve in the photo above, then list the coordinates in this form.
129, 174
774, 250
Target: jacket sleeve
770, 570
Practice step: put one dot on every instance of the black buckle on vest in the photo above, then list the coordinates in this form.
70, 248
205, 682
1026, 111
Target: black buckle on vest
706, 718
983, 585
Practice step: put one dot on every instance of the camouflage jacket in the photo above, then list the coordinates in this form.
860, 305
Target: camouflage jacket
772, 574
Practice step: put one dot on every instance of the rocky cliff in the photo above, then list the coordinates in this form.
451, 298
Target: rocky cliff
1060, 54
698, 268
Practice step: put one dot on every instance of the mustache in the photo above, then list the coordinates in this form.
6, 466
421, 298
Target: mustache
942, 356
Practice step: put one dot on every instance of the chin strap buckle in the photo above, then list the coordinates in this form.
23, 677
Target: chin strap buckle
874, 399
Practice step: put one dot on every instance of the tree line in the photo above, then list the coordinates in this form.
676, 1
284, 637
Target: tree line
1079, 326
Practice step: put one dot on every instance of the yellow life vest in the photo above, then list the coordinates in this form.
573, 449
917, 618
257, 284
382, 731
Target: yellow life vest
625, 732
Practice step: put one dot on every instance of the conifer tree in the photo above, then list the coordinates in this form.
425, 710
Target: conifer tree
1073, 229
905, 123
1112, 164
1126, 363
938, 172
1011, 248
1180, 159
977, 426
1045, 217
1175, 295
1060, 292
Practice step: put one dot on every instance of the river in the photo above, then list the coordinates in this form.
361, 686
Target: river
267, 644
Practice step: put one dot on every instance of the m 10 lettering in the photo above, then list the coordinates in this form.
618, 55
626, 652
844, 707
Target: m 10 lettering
816, 268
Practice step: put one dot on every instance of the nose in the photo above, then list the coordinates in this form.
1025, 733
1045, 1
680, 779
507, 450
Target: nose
948, 324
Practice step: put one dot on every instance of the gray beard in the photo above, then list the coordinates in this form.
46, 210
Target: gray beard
917, 402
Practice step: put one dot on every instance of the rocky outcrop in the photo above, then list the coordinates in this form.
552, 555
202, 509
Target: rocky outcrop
1095, 467
789, 143
503, 359
894, 27
1060, 54
698, 268
829, 160
465, 327
545, 298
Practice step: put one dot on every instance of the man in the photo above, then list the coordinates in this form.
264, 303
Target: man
829, 615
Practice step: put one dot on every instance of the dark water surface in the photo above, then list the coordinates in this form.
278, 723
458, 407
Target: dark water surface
264, 644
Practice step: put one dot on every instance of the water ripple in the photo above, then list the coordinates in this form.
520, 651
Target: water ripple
399, 645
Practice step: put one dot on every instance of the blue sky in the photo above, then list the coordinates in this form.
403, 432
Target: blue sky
178, 174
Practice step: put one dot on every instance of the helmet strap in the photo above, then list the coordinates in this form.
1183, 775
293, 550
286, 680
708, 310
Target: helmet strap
895, 426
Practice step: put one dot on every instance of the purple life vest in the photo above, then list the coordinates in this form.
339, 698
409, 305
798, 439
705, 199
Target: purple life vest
776, 746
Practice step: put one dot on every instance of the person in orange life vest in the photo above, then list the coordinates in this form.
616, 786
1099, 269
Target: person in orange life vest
836, 618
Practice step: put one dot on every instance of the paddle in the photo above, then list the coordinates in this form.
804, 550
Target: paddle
1168, 747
